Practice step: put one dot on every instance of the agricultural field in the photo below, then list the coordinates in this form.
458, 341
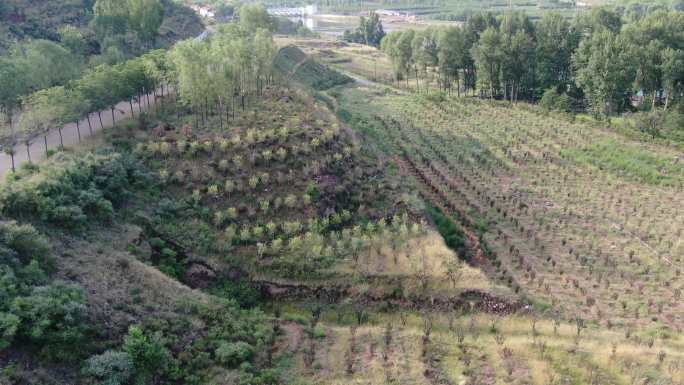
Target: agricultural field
572, 216
284, 212
438, 348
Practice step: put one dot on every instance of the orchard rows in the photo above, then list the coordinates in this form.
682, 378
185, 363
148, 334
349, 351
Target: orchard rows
575, 235
258, 187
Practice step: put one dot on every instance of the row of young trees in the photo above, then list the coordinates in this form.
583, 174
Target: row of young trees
596, 57
36, 65
39, 64
100, 88
234, 62
45, 83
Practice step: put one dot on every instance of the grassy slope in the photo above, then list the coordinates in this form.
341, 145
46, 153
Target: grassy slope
302, 69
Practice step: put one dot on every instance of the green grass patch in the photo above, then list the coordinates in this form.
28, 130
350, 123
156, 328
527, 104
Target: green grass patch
302, 69
453, 236
629, 161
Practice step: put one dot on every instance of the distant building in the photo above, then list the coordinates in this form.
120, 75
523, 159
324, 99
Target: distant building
394, 13
389, 12
311, 9
308, 10
204, 11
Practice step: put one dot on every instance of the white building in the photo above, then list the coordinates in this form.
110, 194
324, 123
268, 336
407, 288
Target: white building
311, 10
204, 11
308, 10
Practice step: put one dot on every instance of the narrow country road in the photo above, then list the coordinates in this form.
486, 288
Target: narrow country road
70, 134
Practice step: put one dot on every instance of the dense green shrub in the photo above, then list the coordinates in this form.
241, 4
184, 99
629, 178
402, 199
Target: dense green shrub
48, 316
143, 359
73, 190
169, 264
9, 324
52, 318
233, 339
234, 335
241, 290
227, 322
453, 236
110, 368
22, 244
148, 353
553, 101
166, 259
234, 353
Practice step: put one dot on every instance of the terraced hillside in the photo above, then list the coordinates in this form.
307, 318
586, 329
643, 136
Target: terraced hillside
292, 196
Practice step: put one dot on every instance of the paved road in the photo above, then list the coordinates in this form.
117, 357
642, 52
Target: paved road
70, 134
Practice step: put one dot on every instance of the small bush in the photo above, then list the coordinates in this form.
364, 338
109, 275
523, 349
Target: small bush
242, 291
9, 324
150, 357
453, 236
110, 368
553, 101
319, 332
234, 353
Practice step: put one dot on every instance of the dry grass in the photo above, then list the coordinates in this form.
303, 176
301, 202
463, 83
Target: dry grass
426, 255
120, 289
562, 360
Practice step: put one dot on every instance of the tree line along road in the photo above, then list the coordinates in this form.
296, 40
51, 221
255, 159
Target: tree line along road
70, 133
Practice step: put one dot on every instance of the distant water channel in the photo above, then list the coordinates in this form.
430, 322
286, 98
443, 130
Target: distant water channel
331, 25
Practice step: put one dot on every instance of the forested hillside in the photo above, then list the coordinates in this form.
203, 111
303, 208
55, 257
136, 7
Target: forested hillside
42, 19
